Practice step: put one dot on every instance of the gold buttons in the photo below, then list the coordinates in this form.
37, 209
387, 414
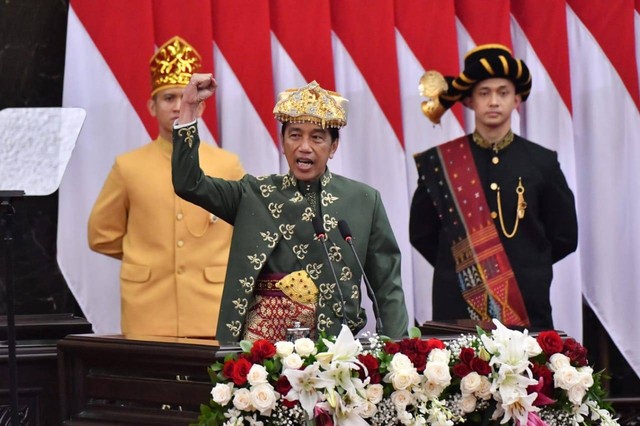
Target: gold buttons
180, 243
494, 215
495, 160
179, 216
494, 186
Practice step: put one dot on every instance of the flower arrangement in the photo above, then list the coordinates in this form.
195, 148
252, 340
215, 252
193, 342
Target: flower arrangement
502, 377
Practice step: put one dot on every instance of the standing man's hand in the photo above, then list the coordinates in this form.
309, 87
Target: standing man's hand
200, 87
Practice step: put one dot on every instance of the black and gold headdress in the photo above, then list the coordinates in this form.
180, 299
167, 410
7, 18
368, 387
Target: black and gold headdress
484, 62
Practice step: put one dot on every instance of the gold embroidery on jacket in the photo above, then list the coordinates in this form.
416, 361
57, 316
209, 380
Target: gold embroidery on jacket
235, 327
308, 214
189, 132
275, 209
286, 230
324, 322
272, 239
326, 292
241, 305
355, 292
288, 181
301, 250
296, 198
267, 190
327, 198
248, 284
257, 260
334, 253
329, 222
346, 274
314, 270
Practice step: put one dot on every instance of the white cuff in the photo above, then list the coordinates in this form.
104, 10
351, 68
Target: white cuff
180, 126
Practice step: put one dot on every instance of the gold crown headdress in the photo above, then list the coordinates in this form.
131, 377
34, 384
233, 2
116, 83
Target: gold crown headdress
173, 64
311, 104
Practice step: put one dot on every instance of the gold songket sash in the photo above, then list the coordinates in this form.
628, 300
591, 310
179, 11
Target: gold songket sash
281, 301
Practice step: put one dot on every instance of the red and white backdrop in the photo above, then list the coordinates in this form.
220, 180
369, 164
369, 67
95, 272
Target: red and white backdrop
585, 105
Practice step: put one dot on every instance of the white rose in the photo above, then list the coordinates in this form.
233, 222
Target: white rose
467, 403
438, 373
284, 348
242, 399
576, 394
257, 374
401, 398
432, 390
367, 409
400, 363
404, 380
532, 347
485, 389
292, 361
439, 355
263, 398
566, 377
558, 361
470, 383
586, 377
222, 392
375, 393
305, 346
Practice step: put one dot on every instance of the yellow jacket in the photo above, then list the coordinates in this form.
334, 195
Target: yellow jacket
174, 254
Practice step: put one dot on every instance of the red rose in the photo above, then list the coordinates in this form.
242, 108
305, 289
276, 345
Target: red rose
391, 348
282, 386
480, 366
419, 362
550, 342
227, 369
435, 344
576, 352
371, 364
408, 345
461, 369
263, 349
466, 355
240, 371
423, 347
543, 372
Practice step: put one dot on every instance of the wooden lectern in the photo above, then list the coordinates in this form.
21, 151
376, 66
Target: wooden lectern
137, 380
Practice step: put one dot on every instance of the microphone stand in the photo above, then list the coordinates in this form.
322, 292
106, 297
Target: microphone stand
7, 212
346, 234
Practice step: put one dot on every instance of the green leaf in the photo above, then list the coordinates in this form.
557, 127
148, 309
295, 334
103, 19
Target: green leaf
246, 345
415, 332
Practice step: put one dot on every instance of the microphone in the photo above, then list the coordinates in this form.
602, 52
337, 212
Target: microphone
346, 234
322, 236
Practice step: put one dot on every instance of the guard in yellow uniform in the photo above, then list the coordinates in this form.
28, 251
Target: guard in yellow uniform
174, 254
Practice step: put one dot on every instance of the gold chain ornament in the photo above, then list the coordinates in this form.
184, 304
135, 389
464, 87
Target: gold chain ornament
520, 208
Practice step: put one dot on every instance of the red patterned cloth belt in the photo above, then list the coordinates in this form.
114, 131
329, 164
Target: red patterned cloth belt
274, 312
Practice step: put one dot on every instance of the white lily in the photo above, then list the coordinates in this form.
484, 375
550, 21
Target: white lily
345, 349
304, 386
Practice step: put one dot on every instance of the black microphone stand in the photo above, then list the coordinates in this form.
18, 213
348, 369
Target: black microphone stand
346, 234
6, 221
